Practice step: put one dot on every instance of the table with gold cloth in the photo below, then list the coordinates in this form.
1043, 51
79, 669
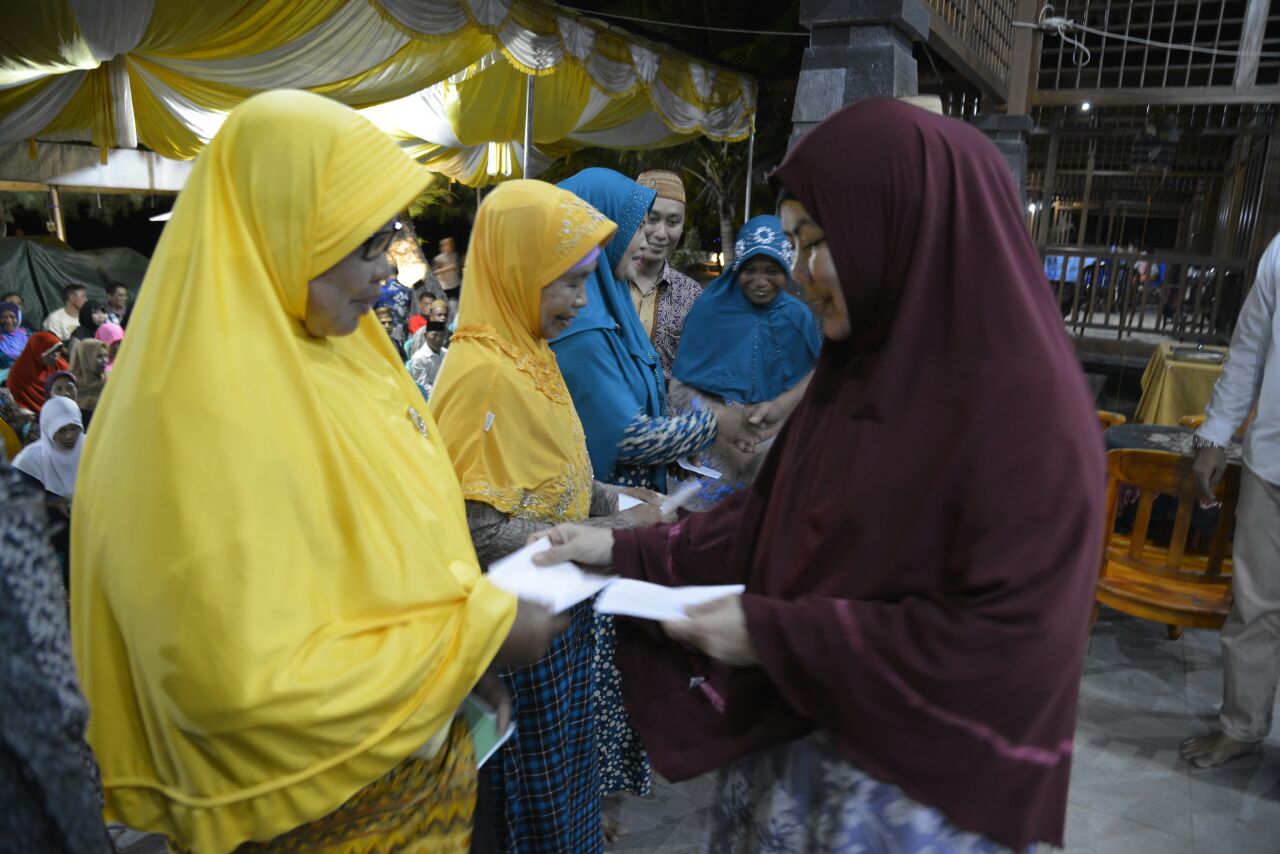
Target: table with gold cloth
1172, 388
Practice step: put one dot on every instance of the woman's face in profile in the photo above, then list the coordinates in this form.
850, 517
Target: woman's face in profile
338, 297
66, 436
815, 270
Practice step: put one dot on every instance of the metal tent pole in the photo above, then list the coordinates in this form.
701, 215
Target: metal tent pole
528, 127
751, 153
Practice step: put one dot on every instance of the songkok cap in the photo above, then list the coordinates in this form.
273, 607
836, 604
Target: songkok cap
668, 184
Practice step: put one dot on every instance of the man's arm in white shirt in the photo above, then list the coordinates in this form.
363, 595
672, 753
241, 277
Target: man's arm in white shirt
1236, 392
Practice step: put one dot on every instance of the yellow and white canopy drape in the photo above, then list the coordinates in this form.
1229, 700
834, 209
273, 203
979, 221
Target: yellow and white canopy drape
445, 77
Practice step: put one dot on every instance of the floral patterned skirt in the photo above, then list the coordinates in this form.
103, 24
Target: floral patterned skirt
802, 796
623, 762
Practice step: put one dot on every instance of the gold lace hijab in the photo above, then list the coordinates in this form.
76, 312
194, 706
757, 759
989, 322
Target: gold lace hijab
501, 404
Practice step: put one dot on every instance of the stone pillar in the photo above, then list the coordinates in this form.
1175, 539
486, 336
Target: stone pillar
1009, 133
858, 49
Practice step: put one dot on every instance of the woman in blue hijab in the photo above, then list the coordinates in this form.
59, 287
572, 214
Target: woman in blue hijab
616, 382
746, 340
607, 360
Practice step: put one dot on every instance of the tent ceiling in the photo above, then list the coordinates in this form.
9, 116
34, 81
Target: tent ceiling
445, 77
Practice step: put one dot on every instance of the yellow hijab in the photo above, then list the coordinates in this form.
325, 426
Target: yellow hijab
275, 598
500, 400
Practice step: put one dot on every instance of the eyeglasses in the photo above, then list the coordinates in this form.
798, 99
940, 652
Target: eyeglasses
380, 241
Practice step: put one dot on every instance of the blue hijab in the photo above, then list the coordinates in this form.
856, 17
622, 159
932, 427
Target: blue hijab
607, 360
13, 343
741, 351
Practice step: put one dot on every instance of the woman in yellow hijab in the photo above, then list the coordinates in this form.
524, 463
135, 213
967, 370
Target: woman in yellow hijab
276, 607
521, 457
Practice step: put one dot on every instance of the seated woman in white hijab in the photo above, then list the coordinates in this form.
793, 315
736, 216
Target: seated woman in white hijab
52, 460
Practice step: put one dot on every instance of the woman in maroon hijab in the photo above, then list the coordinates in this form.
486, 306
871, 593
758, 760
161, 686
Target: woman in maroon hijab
920, 548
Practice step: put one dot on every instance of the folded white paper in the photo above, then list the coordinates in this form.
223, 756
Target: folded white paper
628, 598
688, 465
559, 586
626, 502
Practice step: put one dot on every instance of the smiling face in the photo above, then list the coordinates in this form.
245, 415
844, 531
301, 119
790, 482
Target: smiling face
761, 279
8, 321
633, 258
66, 437
663, 228
815, 269
338, 297
563, 299
64, 387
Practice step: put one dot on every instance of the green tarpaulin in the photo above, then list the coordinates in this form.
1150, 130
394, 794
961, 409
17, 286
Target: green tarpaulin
37, 270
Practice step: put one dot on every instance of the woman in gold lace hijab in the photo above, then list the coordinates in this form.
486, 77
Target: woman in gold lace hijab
519, 451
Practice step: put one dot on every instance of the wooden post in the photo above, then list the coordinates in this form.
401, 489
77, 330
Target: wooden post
1050, 177
55, 207
1251, 32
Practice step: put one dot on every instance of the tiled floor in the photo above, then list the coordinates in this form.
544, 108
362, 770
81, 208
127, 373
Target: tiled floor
1130, 791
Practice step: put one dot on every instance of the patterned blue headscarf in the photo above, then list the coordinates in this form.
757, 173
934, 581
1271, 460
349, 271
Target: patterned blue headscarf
741, 351
605, 355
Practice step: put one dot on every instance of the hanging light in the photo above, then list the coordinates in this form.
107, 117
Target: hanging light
1086, 107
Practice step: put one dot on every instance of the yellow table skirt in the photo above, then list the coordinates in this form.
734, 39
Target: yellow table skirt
1172, 389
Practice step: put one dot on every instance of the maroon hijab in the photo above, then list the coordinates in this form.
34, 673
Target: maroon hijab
921, 546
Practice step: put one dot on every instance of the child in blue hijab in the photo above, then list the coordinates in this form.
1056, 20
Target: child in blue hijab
747, 340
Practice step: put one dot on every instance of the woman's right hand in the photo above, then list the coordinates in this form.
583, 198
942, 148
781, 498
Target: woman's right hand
531, 634
578, 543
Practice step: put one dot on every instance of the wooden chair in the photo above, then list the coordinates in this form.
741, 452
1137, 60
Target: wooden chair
1166, 584
1111, 419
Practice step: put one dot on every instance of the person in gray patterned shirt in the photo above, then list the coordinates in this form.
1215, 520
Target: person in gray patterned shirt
663, 295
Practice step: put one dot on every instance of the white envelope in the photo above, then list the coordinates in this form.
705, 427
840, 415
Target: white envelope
628, 598
560, 586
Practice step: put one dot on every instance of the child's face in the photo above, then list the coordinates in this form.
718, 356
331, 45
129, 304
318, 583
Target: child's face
761, 279
66, 437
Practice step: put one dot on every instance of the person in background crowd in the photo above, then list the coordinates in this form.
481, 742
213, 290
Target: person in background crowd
117, 303
21, 425
65, 320
1251, 636
42, 356
92, 315
387, 318
532, 249
748, 340
61, 384
399, 299
437, 310
448, 271
416, 323
425, 365
902, 671
662, 294
89, 365
53, 461
112, 335
49, 783
13, 336
16, 299
291, 683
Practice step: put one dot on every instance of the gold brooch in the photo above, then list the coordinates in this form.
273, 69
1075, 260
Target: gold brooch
416, 418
